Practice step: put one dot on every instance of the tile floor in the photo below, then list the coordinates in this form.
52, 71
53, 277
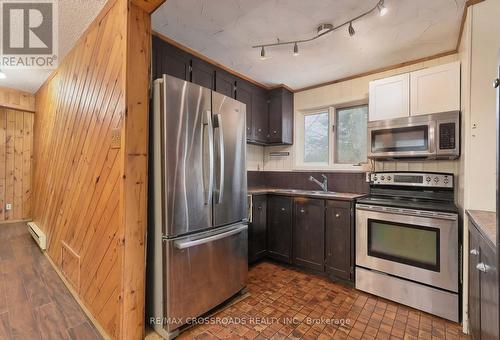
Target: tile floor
287, 303
34, 302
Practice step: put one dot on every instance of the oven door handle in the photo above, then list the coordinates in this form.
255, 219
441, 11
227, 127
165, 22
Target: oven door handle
410, 212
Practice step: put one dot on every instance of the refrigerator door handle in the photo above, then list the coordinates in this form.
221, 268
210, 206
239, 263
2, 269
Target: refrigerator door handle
193, 243
209, 131
220, 154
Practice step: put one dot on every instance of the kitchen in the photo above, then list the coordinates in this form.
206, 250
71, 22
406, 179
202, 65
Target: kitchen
314, 180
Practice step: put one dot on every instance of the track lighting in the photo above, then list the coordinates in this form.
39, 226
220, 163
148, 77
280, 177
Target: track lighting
351, 29
382, 10
324, 29
2, 75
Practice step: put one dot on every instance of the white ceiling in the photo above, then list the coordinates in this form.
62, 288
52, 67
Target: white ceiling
74, 17
225, 30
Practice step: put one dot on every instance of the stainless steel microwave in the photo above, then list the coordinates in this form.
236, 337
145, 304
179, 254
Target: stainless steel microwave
432, 136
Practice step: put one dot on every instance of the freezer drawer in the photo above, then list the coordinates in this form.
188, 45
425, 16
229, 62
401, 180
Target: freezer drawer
203, 271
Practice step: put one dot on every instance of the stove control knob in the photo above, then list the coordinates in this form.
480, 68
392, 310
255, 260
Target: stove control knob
375, 178
382, 177
446, 180
389, 178
436, 179
428, 179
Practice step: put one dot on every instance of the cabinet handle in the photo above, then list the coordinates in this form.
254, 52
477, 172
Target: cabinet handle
260, 208
474, 252
496, 83
275, 132
302, 211
337, 215
260, 130
483, 267
282, 209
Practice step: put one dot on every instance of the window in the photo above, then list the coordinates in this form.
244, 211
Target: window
351, 135
332, 139
316, 139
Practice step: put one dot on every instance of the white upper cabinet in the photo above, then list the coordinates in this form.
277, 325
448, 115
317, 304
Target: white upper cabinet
389, 97
435, 89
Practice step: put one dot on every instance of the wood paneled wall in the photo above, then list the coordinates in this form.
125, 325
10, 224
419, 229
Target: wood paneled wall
18, 100
16, 153
89, 186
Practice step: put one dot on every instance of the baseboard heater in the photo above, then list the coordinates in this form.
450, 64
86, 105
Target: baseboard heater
38, 235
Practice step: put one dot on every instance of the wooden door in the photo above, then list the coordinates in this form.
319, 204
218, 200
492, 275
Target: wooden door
275, 116
389, 97
170, 60
279, 224
339, 239
435, 89
309, 233
257, 230
225, 83
489, 292
260, 116
244, 94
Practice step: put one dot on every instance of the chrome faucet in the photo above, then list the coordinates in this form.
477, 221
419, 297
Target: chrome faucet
323, 185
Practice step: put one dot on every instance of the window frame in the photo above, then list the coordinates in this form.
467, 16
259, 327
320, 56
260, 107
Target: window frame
299, 145
335, 117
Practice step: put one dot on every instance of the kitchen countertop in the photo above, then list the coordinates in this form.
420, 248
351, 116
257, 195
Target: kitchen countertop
346, 196
486, 223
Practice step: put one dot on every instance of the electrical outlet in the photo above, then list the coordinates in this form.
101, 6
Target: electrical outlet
8, 206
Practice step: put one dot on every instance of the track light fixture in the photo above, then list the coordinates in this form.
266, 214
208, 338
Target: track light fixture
382, 10
324, 29
351, 29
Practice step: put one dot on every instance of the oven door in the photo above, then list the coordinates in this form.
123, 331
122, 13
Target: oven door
421, 246
413, 140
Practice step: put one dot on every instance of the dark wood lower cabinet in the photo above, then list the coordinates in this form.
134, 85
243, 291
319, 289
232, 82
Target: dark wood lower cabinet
257, 230
339, 242
279, 228
483, 287
309, 233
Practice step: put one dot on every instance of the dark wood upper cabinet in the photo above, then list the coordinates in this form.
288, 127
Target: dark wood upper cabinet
339, 242
257, 230
168, 59
225, 83
309, 233
279, 228
244, 93
280, 116
202, 73
269, 113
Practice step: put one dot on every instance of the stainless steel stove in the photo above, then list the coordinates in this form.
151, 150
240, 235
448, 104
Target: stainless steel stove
407, 241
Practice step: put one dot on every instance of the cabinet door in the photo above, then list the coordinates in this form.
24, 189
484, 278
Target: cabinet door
435, 89
275, 116
224, 83
202, 73
257, 230
489, 293
279, 228
339, 239
474, 285
389, 97
260, 116
244, 95
309, 233
170, 60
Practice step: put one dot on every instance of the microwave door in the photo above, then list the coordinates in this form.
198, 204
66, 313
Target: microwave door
413, 141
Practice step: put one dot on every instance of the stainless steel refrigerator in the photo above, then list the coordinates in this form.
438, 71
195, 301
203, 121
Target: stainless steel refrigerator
197, 235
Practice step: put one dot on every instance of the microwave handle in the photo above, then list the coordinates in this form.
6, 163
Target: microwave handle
433, 137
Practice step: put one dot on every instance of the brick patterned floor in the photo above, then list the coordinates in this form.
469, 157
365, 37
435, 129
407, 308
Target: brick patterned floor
286, 303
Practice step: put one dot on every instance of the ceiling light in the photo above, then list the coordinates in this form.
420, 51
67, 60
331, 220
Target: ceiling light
2, 75
381, 8
262, 54
351, 29
295, 49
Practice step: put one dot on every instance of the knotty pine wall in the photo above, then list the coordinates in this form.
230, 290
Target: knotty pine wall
90, 166
16, 152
